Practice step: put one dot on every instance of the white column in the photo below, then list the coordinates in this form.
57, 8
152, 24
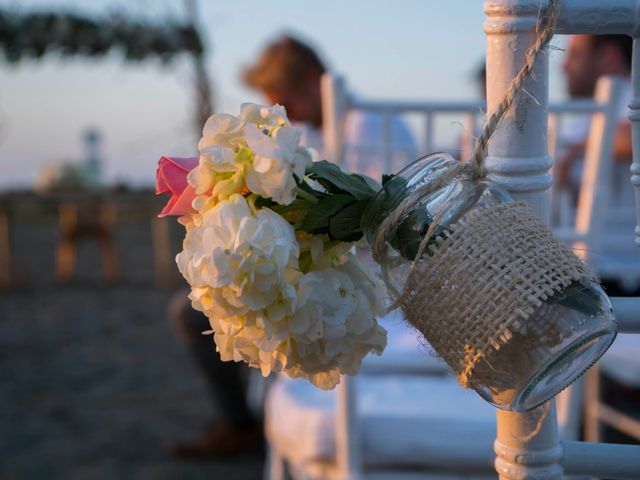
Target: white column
334, 106
527, 444
348, 436
518, 153
634, 116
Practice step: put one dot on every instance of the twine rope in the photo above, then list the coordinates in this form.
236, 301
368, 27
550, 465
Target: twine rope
544, 30
475, 167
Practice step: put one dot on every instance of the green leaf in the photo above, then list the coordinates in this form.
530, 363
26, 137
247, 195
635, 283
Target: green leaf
337, 181
319, 215
387, 177
297, 204
264, 202
345, 225
304, 186
371, 183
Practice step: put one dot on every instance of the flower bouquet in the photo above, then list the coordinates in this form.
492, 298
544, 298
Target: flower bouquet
268, 250
268, 254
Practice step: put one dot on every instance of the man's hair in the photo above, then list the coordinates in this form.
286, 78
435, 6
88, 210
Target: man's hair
624, 43
283, 64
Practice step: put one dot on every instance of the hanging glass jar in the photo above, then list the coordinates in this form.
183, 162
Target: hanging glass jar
510, 308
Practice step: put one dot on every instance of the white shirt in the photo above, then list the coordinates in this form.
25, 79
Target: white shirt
576, 130
364, 144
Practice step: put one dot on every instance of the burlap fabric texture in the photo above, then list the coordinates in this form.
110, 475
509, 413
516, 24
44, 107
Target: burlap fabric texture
483, 280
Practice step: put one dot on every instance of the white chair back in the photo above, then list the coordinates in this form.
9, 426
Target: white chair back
338, 102
590, 228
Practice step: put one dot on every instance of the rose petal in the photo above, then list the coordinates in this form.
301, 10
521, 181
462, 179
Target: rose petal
171, 178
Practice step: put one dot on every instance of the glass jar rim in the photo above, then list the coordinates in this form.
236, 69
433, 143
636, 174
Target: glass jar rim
393, 191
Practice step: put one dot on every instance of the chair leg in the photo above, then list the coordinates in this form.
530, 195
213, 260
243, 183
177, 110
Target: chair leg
592, 429
162, 258
109, 257
66, 259
5, 250
275, 466
67, 246
108, 217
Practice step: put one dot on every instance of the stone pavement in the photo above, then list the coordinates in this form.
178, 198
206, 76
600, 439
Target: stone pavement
95, 385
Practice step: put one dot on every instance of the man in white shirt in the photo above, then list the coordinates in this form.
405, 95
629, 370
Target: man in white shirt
289, 72
588, 58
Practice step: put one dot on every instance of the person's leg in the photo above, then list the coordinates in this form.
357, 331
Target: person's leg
228, 383
227, 380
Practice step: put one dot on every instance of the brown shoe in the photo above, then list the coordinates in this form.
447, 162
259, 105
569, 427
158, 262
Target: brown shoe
219, 441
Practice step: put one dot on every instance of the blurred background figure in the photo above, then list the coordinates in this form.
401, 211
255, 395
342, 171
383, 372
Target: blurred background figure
86, 173
287, 72
588, 58
93, 155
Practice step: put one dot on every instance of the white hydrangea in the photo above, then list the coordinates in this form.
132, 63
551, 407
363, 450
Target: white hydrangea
236, 261
223, 161
327, 327
277, 158
278, 301
263, 116
259, 152
258, 340
334, 325
222, 130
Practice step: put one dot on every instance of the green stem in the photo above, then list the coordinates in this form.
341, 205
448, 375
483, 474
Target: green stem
306, 196
305, 262
281, 210
251, 201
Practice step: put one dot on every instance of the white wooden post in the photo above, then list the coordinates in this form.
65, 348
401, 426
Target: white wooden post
348, 438
334, 106
527, 445
635, 130
518, 154
596, 182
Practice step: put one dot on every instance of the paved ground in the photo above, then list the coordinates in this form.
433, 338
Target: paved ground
93, 382
94, 385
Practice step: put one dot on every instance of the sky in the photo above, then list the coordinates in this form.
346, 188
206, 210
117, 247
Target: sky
413, 49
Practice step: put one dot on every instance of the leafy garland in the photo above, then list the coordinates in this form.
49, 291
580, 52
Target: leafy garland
32, 35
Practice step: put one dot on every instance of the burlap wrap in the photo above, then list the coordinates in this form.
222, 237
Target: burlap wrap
480, 283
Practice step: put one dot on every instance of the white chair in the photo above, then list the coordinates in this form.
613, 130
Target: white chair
403, 415
620, 364
605, 236
376, 425
338, 103
600, 231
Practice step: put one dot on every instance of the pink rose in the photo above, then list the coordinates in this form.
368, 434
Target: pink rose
171, 177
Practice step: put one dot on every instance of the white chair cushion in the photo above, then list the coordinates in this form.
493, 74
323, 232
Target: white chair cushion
406, 419
406, 351
622, 360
